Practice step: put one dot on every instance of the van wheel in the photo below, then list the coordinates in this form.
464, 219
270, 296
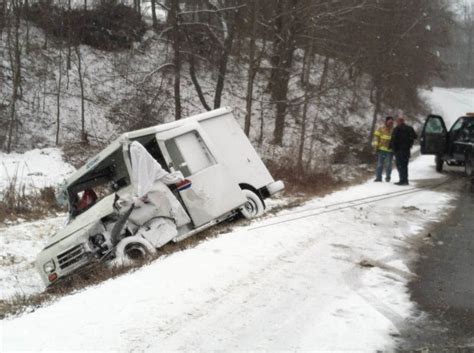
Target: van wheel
439, 163
254, 206
469, 165
134, 249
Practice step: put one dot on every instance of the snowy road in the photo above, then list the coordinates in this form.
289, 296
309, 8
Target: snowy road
289, 286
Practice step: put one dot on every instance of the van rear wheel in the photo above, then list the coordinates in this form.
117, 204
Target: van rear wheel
254, 206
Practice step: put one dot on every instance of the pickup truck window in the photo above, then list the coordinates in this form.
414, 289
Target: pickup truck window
434, 126
457, 125
467, 131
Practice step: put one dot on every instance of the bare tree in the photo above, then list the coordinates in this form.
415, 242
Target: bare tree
81, 85
192, 55
306, 85
252, 66
228, 21
173, 16
153, 15
3, 19
58, 95
468, 29
14, 51
284, 45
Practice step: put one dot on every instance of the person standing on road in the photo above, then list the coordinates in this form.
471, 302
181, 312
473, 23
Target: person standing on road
403, 137
382, 138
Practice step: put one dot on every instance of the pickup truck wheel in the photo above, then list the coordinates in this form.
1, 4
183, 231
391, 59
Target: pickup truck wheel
134, 249
439, 163
469, 165
254, 206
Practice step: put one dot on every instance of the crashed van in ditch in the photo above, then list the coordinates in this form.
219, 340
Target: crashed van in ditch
155, 185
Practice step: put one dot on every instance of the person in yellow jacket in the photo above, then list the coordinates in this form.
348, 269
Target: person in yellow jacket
381, 143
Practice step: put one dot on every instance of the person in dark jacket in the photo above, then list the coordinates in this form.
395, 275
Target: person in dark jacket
403, 137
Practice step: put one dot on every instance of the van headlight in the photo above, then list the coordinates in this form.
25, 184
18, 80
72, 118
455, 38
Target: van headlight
49, 266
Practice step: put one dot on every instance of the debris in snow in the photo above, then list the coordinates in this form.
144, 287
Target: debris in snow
410, 208
366, 263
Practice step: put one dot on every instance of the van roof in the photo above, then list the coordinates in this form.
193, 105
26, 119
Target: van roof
118, 143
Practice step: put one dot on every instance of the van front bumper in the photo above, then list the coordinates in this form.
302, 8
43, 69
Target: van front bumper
66, 261
275, 187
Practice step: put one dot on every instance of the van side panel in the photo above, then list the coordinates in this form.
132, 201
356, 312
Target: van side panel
239, 155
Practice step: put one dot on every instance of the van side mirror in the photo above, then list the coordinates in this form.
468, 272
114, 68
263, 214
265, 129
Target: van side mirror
61, 196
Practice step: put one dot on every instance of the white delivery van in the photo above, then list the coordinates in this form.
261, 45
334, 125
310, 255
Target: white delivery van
224, 177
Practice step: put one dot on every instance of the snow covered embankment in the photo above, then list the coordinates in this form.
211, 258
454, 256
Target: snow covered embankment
34, 169
290, 286
21, 242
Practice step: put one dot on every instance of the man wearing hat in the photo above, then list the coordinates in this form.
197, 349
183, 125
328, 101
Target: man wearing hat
403, 137
382, 138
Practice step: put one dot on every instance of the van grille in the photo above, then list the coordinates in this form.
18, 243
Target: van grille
71, 256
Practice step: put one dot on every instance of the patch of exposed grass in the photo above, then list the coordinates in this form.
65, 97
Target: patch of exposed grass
38, 204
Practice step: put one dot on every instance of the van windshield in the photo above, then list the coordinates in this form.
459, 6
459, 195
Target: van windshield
107, 177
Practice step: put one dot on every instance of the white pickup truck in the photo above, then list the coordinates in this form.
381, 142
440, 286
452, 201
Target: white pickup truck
223, 174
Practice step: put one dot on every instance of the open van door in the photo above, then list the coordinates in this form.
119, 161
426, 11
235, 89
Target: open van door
214, 191
434, 137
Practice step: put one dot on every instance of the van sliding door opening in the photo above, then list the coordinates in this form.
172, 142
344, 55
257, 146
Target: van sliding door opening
189, 154
214, 191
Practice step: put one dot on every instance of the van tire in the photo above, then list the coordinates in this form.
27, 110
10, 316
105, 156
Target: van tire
254, 206
134, 249
439, 163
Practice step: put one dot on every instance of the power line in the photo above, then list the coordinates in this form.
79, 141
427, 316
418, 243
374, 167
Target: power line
354, 203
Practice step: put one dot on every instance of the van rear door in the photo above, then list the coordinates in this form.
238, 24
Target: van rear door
214, 192
434, 137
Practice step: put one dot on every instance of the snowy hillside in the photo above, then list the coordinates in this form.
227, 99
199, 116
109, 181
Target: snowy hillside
125, 91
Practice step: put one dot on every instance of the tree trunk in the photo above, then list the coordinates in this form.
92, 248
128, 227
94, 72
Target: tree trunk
470, 71
27, 35
68, 59
174, 11
58, 98
81, 84
15, 60
153, 15
282, 58
262, 125
223, 62
305, 78
3, 19
197, 86
303, 132
252, 70
322, 82
377, 107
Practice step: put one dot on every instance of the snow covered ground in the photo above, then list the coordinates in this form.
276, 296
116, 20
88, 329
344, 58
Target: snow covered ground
34, 169
20, 243
450, 103
273, 285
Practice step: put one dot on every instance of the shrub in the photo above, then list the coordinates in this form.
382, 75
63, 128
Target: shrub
107, 27
16, 202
